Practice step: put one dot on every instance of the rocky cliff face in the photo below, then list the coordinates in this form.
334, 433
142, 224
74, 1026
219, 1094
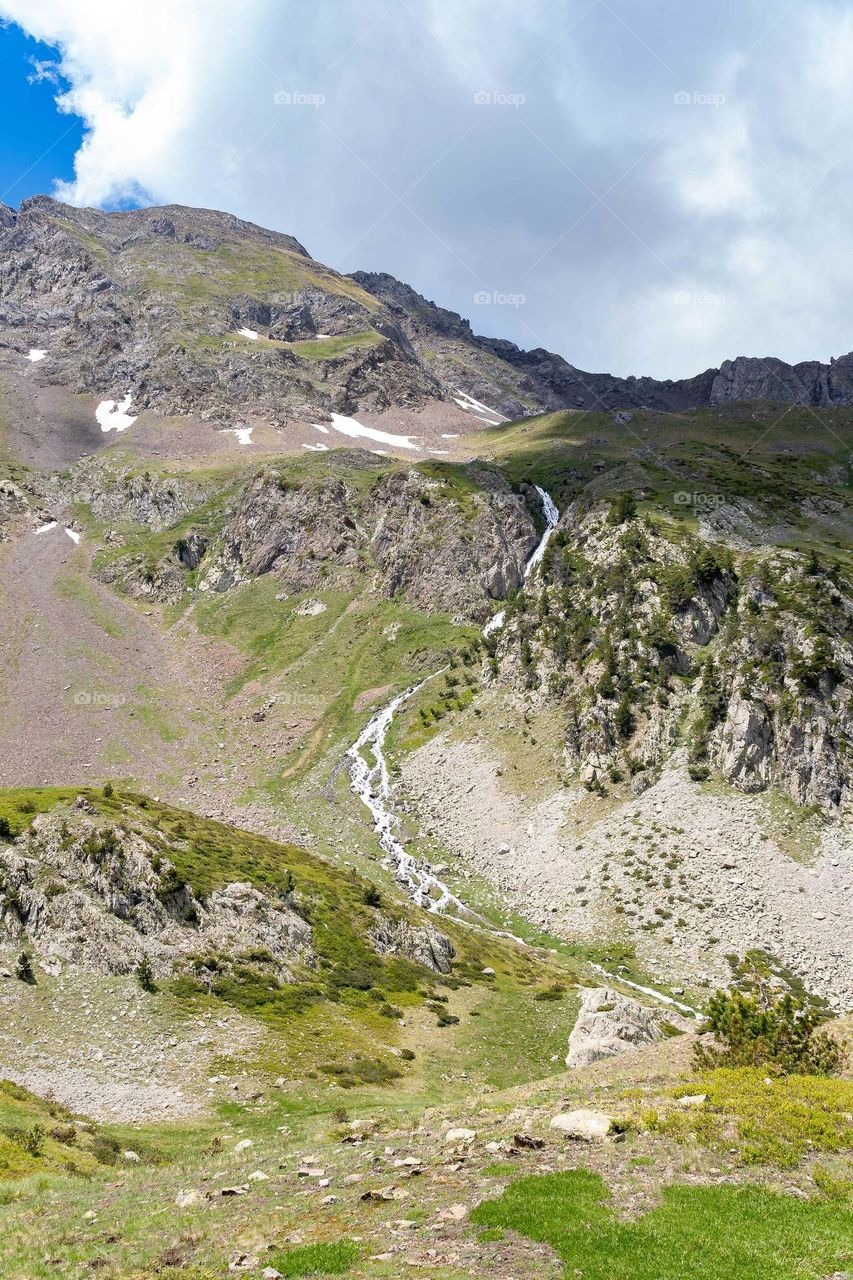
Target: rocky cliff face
197, 312
85, 894
648, 637
411, 533
446, 542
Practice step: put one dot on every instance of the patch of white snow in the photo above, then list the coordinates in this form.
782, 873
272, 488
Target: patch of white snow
113, 416
73, 534
243, 434
352, 427
45, 528
248, 333
476, 406
35, 354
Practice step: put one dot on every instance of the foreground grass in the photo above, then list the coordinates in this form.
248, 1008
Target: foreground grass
317, 1259
777, 1119
696, 1233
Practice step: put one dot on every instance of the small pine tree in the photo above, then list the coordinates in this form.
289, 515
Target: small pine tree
755, 1030
623, 508
24, 968
145, 975
107, 791
624, 718
372, 896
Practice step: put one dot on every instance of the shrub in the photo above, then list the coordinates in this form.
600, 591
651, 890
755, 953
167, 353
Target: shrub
622, 508
372, 897
145, 975
107, 790
24, 968
752, 1030
29, 1140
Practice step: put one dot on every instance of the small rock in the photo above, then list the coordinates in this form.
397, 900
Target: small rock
526, 1142
184, 1199
259, 1176
693, 1100
455, 1213
132, 1157
244, 1144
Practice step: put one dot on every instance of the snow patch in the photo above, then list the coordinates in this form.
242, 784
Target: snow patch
476, 406
352, 427
113, 416
35, 354
318, 427
243, 434
248, 333
46, 528
449, 435
317, 448
73, 534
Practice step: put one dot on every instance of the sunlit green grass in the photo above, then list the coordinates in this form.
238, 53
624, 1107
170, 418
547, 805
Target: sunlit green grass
695, 1233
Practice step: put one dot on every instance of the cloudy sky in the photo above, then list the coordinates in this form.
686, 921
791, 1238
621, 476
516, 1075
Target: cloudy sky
645, 186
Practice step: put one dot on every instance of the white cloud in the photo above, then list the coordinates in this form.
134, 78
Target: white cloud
599, 198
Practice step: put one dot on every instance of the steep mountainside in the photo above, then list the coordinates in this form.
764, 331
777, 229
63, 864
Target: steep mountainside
522, 382
347, 794
190, 311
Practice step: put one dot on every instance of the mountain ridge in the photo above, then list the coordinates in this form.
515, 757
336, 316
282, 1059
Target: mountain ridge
201, 311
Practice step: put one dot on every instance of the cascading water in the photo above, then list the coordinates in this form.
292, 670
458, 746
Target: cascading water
372, 784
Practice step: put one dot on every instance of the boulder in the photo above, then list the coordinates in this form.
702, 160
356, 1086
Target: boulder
584, 1126
608, 1024
423, 944
460, 1135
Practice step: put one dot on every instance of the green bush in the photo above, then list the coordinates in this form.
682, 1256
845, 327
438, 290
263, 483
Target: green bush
145, 975
24, 968
752, 1030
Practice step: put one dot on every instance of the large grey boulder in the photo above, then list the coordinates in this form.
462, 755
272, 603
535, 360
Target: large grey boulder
424, 944
608, 1024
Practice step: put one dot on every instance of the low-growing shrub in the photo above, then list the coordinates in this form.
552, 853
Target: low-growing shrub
752, 1030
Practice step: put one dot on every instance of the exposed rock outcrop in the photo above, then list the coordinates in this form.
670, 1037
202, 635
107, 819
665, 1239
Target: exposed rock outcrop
409, 534
609, 1024
92, 896
423, 944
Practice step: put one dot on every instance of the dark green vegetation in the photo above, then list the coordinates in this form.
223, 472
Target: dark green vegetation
696, 1233
755, 1031
40, 1137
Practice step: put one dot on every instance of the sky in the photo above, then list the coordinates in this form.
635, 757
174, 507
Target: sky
644, 186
